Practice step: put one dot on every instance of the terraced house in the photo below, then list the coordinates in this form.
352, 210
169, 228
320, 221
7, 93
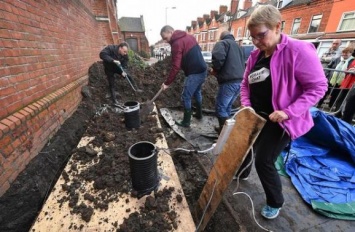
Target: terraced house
318, 21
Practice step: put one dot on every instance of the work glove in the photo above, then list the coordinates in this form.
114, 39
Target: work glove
124, 74
164, 86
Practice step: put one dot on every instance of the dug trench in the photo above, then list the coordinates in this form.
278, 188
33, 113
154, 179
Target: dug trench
20, 205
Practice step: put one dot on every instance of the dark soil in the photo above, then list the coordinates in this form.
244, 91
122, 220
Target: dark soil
110, 176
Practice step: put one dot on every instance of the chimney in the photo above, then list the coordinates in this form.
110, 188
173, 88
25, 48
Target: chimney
206, 16
200, 21
193, 24
247, 4
222, 9
213, 14
234, 6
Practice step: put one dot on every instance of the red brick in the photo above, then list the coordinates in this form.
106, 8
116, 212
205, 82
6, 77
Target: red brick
15, 144
10, 43
15, 120
30, 111
4, 129
19, 78
7, 151
34, 108
14, 107
5, 6
5, 141
17, 69
8, 123
20, 116
25, 114
4, 81
7, 91
4, 72
10, 16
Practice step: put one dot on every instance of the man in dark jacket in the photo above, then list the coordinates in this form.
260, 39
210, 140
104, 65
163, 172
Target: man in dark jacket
186, 54
115, 58
228, 67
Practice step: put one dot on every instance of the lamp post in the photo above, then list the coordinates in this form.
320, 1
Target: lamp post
166, 13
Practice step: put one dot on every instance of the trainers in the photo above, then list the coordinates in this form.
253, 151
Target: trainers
269, 212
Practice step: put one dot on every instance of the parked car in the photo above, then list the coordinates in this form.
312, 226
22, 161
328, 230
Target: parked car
207, 56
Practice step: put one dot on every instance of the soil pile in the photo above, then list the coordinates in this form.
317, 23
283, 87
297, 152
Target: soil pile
110, 174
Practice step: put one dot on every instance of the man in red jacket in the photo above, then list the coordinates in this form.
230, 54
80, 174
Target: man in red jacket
186, 55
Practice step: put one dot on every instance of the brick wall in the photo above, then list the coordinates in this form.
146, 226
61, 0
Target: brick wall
306, 12
46, 49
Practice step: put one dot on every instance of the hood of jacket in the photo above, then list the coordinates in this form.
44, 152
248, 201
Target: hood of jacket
177, 35
229, 36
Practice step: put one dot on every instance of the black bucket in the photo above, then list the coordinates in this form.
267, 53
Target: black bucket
131, 115
144, 167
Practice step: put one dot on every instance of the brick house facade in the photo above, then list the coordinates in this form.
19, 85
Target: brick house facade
316, 21
46, 50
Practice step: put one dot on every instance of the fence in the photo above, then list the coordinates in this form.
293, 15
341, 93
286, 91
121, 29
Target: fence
335, 99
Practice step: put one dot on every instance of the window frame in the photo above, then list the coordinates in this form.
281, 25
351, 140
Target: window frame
342, 19
239, 32
310, 23
279, 4
293, 25
283, 24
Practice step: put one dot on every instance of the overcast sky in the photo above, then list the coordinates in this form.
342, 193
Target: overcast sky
154, 13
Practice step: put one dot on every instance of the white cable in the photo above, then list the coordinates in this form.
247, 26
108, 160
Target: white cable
208, 149
200, 152
252, 205
208, 203
244, 108
244, 193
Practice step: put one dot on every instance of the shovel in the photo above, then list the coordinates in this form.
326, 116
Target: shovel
148, 106
129, 80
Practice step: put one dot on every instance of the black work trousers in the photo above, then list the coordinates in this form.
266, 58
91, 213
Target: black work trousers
267, 147
349, 110
110, 71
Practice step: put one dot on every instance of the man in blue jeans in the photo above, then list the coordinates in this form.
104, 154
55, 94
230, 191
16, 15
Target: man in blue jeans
186, 54
228, 67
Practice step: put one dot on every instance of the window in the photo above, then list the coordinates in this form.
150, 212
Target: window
283, 25
203, 36
279, 4
314, 26
239, 32
296, 26
347, 23
247, 33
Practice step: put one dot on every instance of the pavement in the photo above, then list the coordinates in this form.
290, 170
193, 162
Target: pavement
296, 215
152, 60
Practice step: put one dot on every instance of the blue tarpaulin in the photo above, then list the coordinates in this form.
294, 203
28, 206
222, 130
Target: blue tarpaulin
321, 165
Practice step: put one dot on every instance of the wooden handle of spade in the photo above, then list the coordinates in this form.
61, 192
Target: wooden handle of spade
156, 95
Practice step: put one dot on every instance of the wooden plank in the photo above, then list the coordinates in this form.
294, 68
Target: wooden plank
57, 217
243, 135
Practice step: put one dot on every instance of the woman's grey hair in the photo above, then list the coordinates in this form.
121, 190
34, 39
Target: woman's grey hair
267, 15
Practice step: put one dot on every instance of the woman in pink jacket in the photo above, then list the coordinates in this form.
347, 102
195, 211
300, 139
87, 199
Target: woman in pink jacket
282, 81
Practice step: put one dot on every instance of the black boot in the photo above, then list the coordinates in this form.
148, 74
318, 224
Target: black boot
221, 121
198, 113
187, 119
114, 98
